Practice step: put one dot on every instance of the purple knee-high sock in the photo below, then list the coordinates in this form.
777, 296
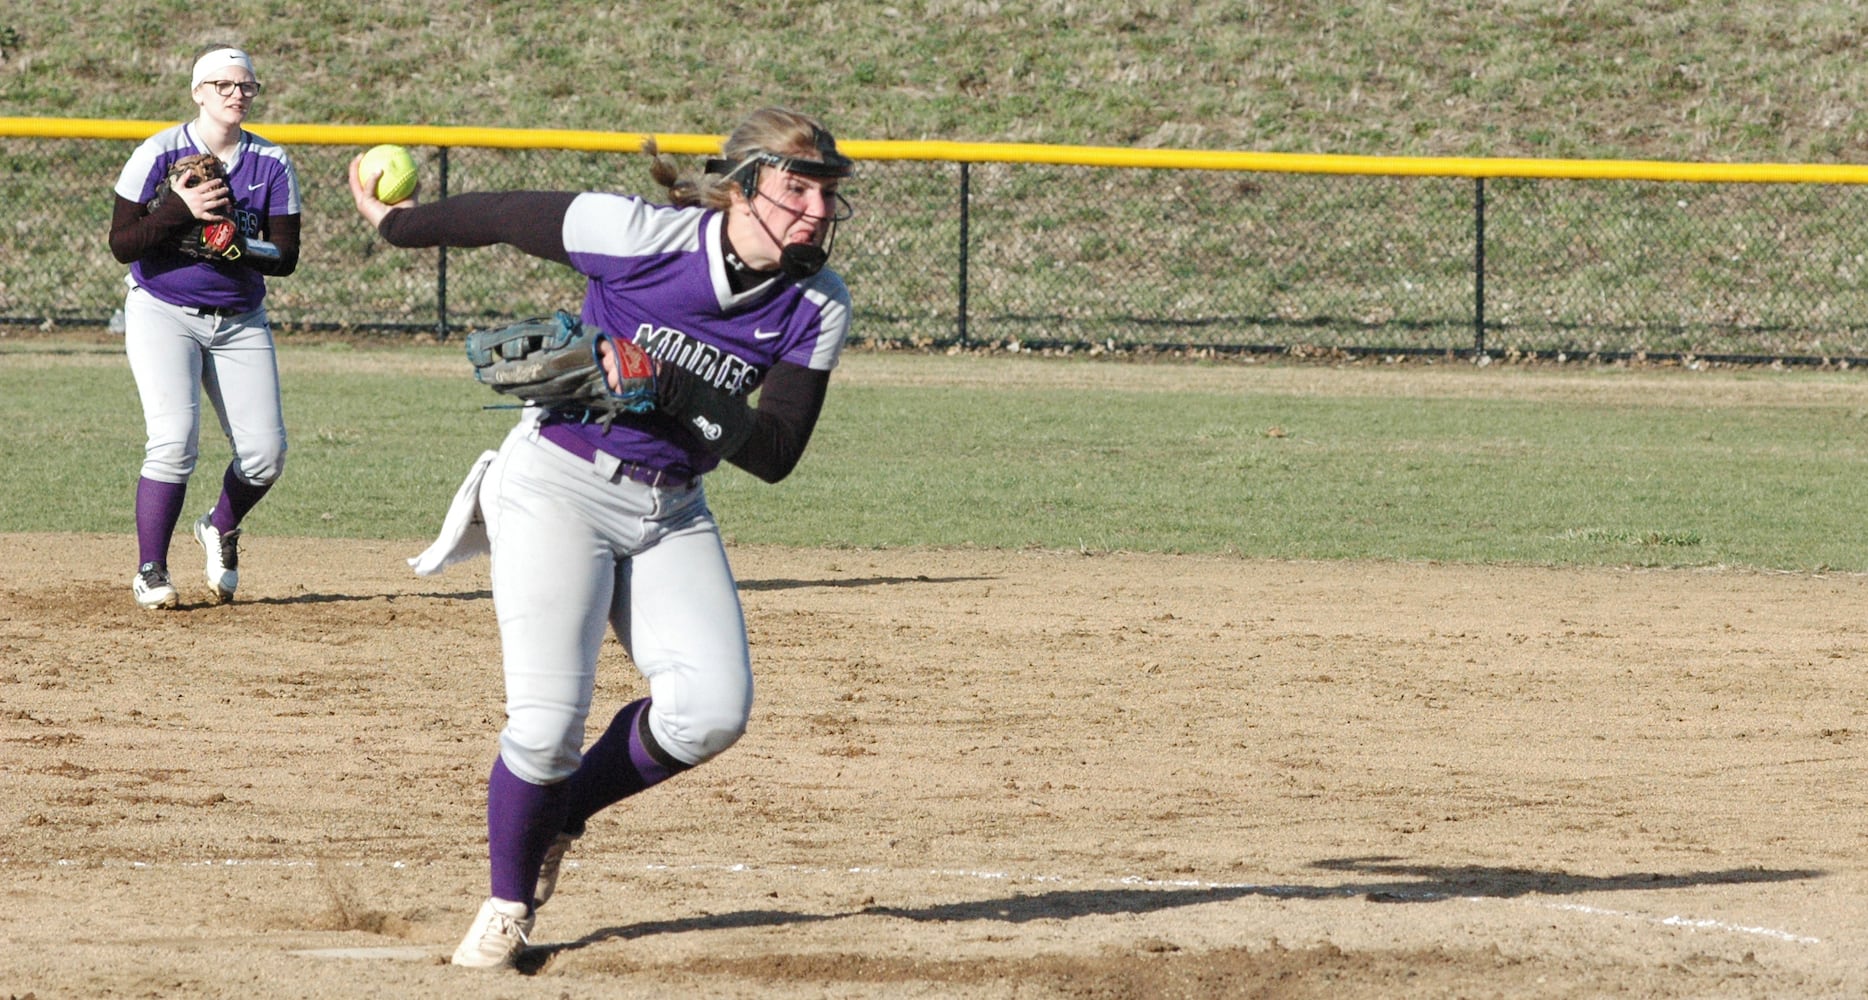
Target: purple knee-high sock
521, 820
158, 507
237, 497
624, 761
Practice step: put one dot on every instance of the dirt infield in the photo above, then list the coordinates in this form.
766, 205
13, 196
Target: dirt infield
969, 774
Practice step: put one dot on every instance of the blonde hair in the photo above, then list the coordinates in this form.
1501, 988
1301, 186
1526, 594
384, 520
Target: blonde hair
773, 130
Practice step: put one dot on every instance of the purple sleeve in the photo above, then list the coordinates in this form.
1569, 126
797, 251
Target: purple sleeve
282, 196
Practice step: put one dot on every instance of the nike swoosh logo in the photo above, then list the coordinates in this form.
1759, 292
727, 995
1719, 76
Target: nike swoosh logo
766, 334
256, 187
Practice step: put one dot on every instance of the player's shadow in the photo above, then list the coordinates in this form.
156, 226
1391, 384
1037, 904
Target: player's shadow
1427, 883
1397, 883
861, 581
312, 599
744, 585
459, 595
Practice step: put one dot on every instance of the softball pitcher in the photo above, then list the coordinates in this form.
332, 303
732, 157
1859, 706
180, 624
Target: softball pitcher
592, 526
195, 315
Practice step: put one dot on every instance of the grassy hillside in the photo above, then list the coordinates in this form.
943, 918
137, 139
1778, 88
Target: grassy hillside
1652, 79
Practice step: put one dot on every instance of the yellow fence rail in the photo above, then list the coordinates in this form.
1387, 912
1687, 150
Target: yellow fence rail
993, 152
1058, 246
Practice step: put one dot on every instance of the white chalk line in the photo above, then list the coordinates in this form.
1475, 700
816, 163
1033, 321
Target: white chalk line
1690, 923
1256, 888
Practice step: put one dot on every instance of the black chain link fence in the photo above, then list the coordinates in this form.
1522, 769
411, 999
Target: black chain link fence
1045, 256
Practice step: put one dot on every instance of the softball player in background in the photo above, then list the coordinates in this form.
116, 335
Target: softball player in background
592, 526
191, 323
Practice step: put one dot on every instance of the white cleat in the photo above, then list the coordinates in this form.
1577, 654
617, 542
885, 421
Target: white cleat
497, 936
222, 552
152, 589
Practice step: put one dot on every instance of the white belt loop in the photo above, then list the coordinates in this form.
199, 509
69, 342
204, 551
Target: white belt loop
606, 464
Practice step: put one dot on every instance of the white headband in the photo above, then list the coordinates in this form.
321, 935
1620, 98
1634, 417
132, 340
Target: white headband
220, 59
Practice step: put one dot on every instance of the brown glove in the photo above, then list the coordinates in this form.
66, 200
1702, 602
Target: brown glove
206, 240
187, 172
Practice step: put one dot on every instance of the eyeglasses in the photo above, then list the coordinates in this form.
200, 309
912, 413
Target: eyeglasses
225, 88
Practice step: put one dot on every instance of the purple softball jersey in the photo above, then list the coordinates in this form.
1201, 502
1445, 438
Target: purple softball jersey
658, 277
262, 184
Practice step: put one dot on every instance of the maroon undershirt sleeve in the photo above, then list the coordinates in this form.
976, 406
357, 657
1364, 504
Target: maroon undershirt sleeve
532, 221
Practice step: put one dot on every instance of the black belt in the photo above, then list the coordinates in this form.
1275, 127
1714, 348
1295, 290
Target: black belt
655, 477
560, 435
222, 311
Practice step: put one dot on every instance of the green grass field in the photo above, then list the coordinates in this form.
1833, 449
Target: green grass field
1538, 465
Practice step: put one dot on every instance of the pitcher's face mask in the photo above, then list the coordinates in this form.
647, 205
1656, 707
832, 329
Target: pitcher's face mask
802, 186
